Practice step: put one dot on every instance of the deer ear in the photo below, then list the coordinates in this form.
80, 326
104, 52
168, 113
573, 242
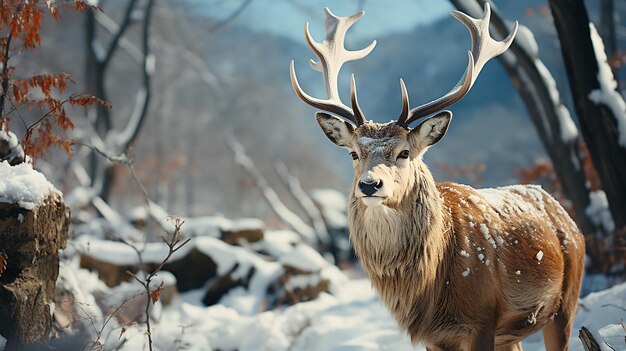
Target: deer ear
338, 131
430, 131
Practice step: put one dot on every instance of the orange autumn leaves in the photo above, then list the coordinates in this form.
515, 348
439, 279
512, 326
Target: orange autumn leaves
20, 29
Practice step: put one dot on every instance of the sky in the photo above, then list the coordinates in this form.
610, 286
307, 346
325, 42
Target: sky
287, 17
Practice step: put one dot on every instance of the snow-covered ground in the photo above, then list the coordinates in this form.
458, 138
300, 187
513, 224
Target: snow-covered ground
352, 318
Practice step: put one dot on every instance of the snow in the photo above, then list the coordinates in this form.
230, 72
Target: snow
3, 343
485, 230
526, 40
305, 258
569, 131
23, 185
302, 281
14, 147
607, 94
598, 210
79, 198
215, 225
352, 318
539, 255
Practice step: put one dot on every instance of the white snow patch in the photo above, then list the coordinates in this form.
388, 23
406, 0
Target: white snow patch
15, 149
539, 255
485, 230
526, 40
3, 342
305, 258
302, 281
569, 131
466, 272
607, 94
464, 253
333, 206
518, 272
20, 218
23, 185
598, 210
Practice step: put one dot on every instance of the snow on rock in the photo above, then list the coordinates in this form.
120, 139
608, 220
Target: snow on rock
215, 225
598, 210
539, 256
333, 206
23, 185
607, 94
279, 242
79, 197
3, 342
10, 148
305, 258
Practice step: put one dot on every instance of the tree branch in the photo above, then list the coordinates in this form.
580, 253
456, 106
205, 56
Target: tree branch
113, 45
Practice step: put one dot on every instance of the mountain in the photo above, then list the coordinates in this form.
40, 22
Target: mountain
182, 152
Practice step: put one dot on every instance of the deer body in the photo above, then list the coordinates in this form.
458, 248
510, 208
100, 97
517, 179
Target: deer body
453, 263
458, 268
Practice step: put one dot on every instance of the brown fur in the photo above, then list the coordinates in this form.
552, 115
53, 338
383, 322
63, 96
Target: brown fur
457, 267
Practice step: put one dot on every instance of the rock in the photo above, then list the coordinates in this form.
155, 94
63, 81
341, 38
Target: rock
222, 285
192, 271
296, 285
234, 237
111, 274
31, 240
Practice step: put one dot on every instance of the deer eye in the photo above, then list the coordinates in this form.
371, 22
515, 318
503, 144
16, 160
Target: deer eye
354, 155
403, 154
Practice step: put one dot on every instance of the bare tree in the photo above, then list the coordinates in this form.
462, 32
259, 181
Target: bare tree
98, 64
600, 108
551, 118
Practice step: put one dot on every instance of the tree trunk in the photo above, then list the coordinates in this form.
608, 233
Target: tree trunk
598, 123
608, 30
532, 87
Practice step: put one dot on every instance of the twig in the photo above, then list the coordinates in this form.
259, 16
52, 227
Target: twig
173, 245
30, 128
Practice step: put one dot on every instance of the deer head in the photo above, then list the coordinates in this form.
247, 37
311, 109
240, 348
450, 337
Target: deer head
388, 156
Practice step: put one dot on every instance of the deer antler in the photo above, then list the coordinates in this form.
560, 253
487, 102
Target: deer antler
332, 55
484, 48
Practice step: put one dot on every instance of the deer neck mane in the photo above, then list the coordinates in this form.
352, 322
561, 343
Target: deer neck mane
402, 249
403, 239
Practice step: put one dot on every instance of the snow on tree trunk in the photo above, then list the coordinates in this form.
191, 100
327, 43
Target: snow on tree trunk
600, 121
551, 118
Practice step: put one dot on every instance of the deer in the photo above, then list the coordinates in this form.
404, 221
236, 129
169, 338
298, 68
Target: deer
458, 268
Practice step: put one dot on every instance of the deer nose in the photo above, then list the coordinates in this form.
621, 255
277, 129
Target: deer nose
370, 188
